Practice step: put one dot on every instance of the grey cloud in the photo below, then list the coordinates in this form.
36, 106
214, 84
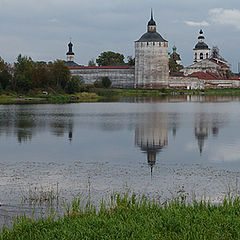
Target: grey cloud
42, 28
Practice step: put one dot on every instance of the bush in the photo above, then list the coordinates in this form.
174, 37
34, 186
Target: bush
74, 84
98, 84
106, 82
86, 88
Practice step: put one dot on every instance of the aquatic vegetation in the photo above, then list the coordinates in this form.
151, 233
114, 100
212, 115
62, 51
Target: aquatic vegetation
127, 216
40, 195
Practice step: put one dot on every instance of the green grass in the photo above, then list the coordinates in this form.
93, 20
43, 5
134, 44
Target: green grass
127, 217
100, 94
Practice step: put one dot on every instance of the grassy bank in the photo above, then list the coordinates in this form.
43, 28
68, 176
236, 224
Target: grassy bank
51, 98
99, 94
130, 218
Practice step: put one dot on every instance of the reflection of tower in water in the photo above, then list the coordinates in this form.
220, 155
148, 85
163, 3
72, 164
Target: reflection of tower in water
201, 130
151, 135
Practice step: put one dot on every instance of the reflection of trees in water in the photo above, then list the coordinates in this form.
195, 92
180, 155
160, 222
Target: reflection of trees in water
25, 123
151, 134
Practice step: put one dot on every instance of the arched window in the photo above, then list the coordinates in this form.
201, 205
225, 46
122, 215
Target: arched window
206, 55
201, 55
195, 56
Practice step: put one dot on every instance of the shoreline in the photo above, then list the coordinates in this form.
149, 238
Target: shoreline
96, 95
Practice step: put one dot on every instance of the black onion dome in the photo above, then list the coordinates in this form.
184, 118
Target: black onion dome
151, 22
151, 37
201, 37
70, 51
201, 45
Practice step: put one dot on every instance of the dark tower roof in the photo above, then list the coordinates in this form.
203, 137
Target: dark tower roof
151, 36
70, 51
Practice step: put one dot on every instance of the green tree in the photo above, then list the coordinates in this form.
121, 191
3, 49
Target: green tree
74, 84
173, 66
91, 63
106, 82
60, 74
5, 74
110, 58
41, 75
24, 69
131, 61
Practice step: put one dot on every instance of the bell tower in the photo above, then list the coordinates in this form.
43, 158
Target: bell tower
201, 50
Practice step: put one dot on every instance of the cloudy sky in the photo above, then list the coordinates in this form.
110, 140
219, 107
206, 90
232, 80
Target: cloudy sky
42, 29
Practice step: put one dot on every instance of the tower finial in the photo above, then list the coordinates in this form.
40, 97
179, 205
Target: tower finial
151, 14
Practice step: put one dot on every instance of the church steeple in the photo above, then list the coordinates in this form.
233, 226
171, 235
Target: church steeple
70, 53
201, 50
152, 27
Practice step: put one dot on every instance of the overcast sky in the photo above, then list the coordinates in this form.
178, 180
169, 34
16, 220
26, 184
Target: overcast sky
42, 29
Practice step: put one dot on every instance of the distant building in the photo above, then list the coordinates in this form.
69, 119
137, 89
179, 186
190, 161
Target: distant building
151, 68
201, 50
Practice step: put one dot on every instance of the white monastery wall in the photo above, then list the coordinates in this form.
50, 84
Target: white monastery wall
120, 78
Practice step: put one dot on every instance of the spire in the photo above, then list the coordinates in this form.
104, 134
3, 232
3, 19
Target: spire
152, 27
151, 22
201, 37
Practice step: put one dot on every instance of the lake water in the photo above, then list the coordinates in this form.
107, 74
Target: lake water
162, 148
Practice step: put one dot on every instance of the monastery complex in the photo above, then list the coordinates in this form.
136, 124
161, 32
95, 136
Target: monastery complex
151, 68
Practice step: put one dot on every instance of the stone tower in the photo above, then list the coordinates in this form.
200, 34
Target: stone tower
201, 50
151, 59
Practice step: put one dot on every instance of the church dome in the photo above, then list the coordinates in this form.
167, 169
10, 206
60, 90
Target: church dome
201, 45
151, 37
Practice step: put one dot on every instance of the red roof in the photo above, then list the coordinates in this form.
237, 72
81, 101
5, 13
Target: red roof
207, 76
103, 67
218, 63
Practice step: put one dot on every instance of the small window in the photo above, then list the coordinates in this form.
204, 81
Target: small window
195, 56
206, 55
201, 55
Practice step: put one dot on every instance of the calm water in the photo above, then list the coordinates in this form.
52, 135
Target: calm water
158, 147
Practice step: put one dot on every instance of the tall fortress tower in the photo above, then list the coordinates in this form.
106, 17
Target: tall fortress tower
151, 59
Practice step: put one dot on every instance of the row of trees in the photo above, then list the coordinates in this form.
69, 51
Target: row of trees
110, 59
26, 74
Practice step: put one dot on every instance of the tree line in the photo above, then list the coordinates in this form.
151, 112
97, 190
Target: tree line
25, 75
